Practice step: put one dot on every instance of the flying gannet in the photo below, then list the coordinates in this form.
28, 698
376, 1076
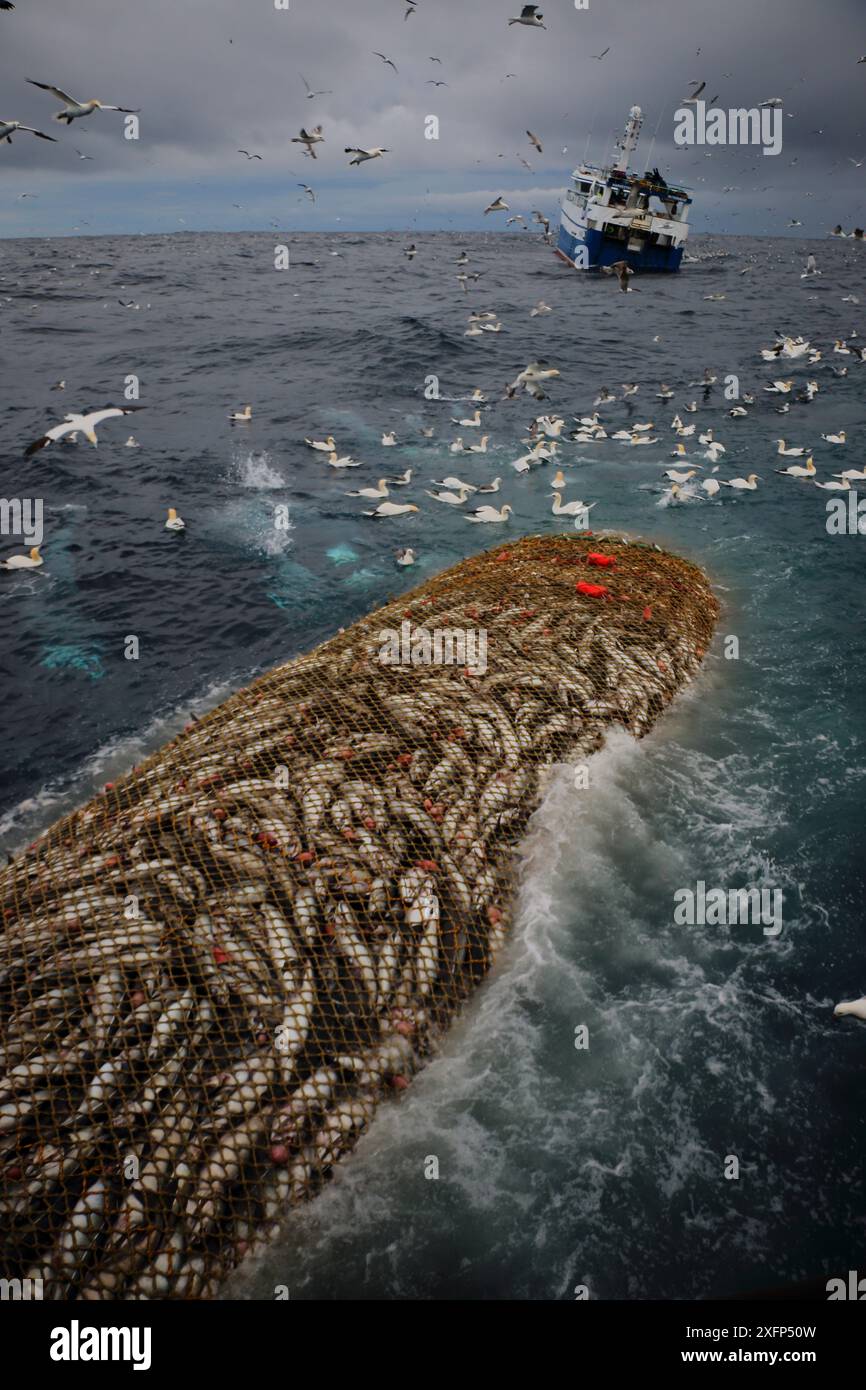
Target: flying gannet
10, 128
309, 138
530, 14
74, 110
361, 156
87, 424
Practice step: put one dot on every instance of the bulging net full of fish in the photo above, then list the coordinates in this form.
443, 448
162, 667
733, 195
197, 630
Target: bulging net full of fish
213, 973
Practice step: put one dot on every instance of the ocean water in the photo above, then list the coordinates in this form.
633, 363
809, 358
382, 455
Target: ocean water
558, 1167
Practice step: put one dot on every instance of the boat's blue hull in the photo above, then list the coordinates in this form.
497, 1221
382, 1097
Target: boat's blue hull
593, 249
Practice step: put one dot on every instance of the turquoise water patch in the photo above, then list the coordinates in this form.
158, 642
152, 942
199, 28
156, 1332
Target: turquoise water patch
73, 658
362, 579
342, 554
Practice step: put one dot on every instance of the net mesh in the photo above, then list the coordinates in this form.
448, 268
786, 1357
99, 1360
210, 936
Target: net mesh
213, 973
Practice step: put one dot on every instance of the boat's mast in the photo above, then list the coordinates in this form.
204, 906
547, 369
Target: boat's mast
628, 143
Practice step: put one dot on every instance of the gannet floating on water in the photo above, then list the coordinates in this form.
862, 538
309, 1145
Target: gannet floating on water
844, 486
31, 561
678, 477
455, 483
490, 487
326, 446
480, 447
380, 490
389, 439
839, 438
489, 514
710, 486
10, 128
530, 14
392, 509
797, 470
779, 388
74, 110
789, 453
473, 423
345, 462
855, 1007
748, 484
451, 499
569, 508
402, 481
852, 473
242, 417
85, 423
175, 522
405, 556
132, 443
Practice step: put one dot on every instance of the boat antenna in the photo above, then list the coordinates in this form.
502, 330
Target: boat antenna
653, 141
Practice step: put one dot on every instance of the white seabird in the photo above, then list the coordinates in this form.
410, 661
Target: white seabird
30, 561
361, 156
455, 483
798, 470
309, 138
490, 514
451, 499
789, 453
85, 423
10, 128
498, 205
743, 484
855, 1007
569, 508
839, 438
175, 522
380, 490
405, 556
530, 14
74, 110
389, 439
326, 446
392, 509
242, 417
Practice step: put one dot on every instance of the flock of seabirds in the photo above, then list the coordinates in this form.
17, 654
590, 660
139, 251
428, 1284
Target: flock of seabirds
699, 456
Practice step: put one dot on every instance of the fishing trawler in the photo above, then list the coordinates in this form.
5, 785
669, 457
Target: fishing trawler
608, 214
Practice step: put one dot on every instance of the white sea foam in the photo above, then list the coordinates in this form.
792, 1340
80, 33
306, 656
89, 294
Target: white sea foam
22, 823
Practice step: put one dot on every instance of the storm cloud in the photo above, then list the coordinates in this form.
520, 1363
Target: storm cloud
211, 76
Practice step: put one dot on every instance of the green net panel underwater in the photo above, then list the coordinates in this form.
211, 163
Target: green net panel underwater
214, 973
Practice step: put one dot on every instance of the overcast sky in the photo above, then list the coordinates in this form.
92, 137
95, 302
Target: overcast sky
214, 75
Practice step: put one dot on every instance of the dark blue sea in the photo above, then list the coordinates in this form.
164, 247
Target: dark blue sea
558, 1167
